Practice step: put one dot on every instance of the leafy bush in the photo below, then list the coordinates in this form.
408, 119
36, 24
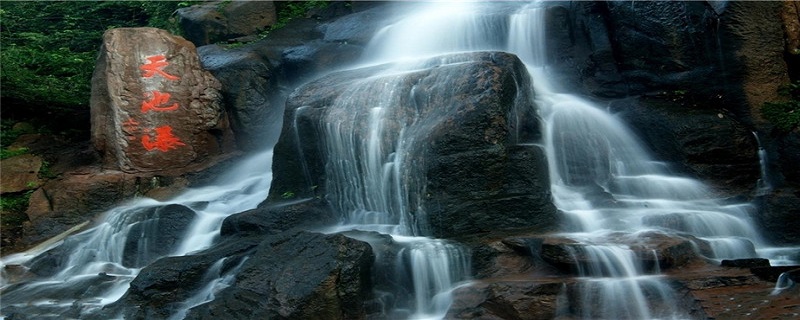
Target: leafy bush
785, 115
15, 202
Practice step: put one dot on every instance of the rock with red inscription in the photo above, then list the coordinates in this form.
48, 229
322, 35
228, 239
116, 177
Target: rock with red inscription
153, 106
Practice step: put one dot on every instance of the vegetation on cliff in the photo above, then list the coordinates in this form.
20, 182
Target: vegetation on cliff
49, 51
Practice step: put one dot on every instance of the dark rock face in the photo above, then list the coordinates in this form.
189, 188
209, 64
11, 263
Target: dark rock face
158, 291
279, 281
475, 176
250, 93
291, 275
779, 217
707, 144
309, 214
217, 21
156, 233
745, 263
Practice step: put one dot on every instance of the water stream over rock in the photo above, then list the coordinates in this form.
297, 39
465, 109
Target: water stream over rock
613, 196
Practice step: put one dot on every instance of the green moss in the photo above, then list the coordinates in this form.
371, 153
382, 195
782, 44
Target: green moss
785, 115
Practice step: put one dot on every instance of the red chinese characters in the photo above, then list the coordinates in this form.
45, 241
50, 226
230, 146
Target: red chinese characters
157, 102
164, 140
162, 137
155, 66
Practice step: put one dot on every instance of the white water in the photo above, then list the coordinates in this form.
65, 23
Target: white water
98, 253
372, 185
589, 151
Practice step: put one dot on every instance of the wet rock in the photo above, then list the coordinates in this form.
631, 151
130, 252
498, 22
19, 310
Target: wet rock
335, 37
771, 273
706, 144
650, 250
297, 275
507, 299
155, 232
161, 288
153, 106
745, 263
20, 173
276, 218
475, 175
780, 217
217, 21
250, 93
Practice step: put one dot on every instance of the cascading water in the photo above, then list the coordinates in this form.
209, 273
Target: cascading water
97, 271
603, 179
371, 184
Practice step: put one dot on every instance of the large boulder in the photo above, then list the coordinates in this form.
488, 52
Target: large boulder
471, 116
216, 21
155, 232
153, 106
297, 275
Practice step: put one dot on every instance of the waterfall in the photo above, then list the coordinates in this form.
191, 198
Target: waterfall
96, 270
371, 183
604, 180
763, 185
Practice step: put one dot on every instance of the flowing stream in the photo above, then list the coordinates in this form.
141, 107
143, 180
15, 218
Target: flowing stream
372, 184
75, 289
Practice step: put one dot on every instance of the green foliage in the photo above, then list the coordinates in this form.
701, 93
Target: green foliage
8, 153
297, 9
49, 47
15, 202
287, 195
46, 172
7, 136
785, 115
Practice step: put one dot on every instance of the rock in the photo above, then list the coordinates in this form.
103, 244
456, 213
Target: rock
745, 263
474, 174
650, 250
153, 106
161, 288
306, 47
308, 214
779, 217
218, 21
155, 232
20, 173
704, 144
250, 92
510, 299
297, 275
771, 273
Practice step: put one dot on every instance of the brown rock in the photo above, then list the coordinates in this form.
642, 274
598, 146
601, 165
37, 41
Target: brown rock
20, 173
652, 250
153, 106
507, 299
38, 204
